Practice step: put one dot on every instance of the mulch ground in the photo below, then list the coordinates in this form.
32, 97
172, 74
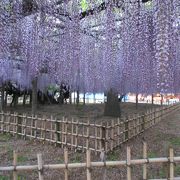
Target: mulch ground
159, 138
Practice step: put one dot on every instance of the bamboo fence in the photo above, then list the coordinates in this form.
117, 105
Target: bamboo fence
129, 163
82, 135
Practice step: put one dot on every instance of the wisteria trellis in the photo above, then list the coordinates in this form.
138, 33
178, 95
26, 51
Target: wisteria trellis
141, 55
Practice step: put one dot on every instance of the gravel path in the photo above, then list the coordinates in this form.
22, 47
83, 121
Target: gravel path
159, 138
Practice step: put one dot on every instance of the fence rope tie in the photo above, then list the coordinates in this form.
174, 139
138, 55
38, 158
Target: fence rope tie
128, 165
15, 169
66, 166
104, 161
147, 159
171, 161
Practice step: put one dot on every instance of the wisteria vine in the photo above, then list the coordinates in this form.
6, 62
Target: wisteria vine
132, 49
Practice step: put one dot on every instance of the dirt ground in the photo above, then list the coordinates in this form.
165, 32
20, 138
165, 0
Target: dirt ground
158, 138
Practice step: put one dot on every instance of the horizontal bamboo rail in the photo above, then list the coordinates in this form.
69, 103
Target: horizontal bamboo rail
66, 166
82, 135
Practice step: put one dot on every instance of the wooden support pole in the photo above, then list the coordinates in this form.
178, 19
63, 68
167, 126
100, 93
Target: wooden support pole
144, 157
88, 164
66, 163
15, 177
40, 166
171, 165
103, 159
128, 163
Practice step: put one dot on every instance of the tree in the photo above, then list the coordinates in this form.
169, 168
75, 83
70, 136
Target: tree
97, 50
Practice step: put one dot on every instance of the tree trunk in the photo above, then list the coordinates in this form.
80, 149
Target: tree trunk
24, 98
2, 98
74, 98
152, 99
34, 96
136, 101
84, 99
5, 101
94, 95
112, 106
161, 99
77, 99
16, 100
70, 97
30, 98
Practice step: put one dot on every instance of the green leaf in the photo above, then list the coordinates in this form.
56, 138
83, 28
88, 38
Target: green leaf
84, 5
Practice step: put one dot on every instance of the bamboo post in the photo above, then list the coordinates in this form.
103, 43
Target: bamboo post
87, 134
44, 134
72, 133
118, 131
51, 131
103, 138
106, 136
126, 124
32, 126
171, 165
19, 125
8, 121
42, 126
84, 139
143, 122
57, 134
66, 131
103, 159
35, 126
145, 157
15, 177
112, 135
66, 163
40, 166
88, 164
76, 137
128, 163
154, 111
96, 143
134, 125
25, 125
2, 121
100, 135
62, 133
14, 124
